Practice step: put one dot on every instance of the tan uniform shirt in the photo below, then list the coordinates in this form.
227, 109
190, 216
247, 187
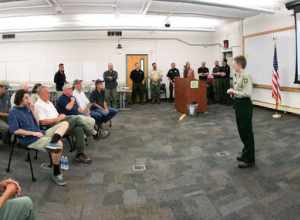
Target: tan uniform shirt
156, 75
242, 85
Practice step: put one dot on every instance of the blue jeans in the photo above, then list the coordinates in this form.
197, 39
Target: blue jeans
101, 116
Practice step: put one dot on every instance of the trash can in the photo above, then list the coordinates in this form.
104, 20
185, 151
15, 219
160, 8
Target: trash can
193, 109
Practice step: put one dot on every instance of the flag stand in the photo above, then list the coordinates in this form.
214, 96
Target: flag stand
276, 115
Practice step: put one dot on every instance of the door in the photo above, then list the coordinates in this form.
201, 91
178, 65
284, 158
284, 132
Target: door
131, 60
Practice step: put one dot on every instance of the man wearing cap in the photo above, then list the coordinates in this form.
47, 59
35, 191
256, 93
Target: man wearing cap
67, 105
99, 107
110, 77
4, 109
81, 99
84, 105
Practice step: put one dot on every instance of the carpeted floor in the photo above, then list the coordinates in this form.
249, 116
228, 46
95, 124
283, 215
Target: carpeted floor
190, 171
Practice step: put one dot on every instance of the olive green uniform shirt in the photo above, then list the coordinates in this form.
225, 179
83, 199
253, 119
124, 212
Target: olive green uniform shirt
242, 85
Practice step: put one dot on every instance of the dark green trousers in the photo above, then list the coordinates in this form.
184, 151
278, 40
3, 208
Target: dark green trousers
137, 90
243, 112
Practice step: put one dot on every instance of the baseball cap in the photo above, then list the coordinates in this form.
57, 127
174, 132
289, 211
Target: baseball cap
76, 81
68, 86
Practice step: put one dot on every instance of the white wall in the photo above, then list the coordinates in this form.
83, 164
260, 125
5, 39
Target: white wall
35, 56
261, 23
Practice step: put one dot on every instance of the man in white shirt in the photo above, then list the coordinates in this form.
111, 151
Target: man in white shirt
81, 99
48, 117
84, 104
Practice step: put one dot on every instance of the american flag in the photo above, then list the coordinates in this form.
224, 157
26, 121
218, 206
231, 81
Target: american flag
275, 79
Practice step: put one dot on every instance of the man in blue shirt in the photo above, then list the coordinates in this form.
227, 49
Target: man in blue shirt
67, 105
22, 123
99, 109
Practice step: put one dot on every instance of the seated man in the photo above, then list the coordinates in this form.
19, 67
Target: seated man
23, 124
14, 208
48, 116
84, 105
4, 109
99, 108
67, 105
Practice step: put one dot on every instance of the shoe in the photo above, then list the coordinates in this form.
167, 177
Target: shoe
245, 165
54, 146
58, 180
104, 134
240, 159
83, 158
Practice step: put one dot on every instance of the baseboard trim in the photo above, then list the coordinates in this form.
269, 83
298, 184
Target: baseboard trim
283, 108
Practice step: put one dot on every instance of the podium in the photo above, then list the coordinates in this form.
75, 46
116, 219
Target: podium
188, 91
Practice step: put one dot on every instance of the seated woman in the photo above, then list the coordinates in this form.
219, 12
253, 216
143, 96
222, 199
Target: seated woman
22, 123
20, 208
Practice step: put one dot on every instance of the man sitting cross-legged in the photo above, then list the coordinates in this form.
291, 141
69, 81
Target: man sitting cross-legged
20, 208
99, 108
84, 106
22, 123
48, 116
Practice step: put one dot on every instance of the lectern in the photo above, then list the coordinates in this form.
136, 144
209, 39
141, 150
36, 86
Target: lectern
189, 91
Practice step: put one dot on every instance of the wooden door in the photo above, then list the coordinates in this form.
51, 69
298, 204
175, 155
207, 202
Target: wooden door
131, 60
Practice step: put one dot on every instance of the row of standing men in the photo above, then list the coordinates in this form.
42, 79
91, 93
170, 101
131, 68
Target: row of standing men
218, 81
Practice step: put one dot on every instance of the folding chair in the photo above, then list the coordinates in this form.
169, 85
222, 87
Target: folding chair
12, 144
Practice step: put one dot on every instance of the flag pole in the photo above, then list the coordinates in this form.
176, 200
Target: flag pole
276, 115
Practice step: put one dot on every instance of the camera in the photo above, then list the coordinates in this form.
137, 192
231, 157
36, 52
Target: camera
167, 24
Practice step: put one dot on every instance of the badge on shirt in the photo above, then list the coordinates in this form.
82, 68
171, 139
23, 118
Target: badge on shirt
245, 81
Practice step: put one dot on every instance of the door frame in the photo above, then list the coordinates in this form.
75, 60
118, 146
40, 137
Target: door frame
135, 54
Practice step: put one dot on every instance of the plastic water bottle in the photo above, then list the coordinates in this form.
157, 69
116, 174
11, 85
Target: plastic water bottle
62, 162
66, 163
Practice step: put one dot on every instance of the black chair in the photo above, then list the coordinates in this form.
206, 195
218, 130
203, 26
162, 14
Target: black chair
13, 143
98, 126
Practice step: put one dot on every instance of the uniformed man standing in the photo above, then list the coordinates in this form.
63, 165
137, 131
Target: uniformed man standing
155, 80
137, 76
172, 74
203, 71
217, 83
241, 93
110, 77
226, 86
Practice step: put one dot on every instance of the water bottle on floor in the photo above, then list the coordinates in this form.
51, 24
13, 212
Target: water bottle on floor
66, 163
62, 162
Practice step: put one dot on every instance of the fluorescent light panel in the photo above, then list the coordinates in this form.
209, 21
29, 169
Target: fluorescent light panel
149, 21
255, 4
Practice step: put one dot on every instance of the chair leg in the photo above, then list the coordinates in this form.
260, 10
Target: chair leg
70, 142
110, 123
31, 169
10, 157
36, 155
50, 159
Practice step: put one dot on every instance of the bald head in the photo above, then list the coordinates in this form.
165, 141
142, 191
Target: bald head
110, 66
44, 93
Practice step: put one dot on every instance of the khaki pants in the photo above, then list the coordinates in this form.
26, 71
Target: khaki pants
42, 143
17, 209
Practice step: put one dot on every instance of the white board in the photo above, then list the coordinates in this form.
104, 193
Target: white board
259, 51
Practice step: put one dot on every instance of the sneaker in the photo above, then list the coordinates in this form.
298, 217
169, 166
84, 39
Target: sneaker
83, 158
58, 180
104, 134
54, 146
